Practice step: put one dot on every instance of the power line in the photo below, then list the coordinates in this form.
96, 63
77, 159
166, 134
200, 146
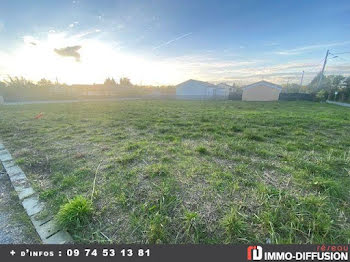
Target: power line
341, 53
336, 56
339, 57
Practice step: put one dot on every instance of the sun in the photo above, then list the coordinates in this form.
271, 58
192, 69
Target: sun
36, 58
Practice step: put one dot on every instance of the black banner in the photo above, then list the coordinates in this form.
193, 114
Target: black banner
181, 253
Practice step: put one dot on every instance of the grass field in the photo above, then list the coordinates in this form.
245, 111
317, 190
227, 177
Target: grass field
190, 171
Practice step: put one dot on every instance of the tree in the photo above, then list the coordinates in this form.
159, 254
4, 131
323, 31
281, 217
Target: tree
335, 83
291, 88
16, 82
335, 87
44, 83
313, 86
344, 89
322, 95
110, 82
125, 82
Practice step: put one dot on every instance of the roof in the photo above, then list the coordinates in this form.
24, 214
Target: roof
196, 82
223, 85
264, 83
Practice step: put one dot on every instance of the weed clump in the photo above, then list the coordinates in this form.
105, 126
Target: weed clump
157, 170
157, 232
234, 225
75, 214
202, 150
253, 136
235, 128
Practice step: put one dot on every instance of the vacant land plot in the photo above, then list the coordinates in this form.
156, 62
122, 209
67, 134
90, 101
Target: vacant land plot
190, 171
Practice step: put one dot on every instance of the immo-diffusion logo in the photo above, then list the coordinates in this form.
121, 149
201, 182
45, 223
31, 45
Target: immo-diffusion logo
254, 253
334, 253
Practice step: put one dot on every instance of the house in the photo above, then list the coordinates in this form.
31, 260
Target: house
261, 91
194, 89
223, 90
224, 85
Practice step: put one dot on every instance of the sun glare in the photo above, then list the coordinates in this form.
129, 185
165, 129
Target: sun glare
36, 58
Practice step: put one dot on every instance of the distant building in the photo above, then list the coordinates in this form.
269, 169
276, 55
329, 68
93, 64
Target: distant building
261, 91
228, 88
194, 89
224, 85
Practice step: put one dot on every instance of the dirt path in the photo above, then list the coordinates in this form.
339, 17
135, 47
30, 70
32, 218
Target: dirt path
15, 226
338, 103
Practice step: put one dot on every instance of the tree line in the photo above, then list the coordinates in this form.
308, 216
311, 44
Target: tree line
332, 87
124, 82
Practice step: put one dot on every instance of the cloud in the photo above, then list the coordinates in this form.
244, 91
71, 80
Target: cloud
271, 44
243, 71
69, 51
2, 26
86, 33
171, 41
120, 26
109, 58
73, 24
100, 17
303, 49
282, 73
30, 40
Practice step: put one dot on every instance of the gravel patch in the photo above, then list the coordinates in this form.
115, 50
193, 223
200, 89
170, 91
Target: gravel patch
15, 225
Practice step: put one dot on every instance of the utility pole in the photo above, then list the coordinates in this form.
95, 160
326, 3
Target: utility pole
324, 65
301, 81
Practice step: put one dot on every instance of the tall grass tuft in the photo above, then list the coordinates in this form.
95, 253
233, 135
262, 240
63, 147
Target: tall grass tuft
75, 214
235, 225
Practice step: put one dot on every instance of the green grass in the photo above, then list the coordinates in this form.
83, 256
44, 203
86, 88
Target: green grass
75, 214
190, 171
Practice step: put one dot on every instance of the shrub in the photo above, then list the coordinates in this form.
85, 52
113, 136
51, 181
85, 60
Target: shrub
321, 95
75, 214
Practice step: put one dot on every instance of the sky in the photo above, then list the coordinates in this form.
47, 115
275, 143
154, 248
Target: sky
167, 42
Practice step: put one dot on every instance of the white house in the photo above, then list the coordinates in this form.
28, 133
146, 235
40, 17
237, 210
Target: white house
223, 90
224, 85
194, 89
261, 91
